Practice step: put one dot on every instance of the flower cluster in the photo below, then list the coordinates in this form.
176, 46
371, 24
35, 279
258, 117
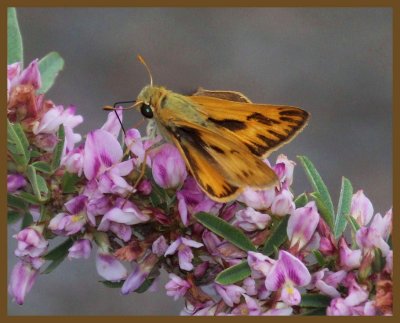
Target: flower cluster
266, 253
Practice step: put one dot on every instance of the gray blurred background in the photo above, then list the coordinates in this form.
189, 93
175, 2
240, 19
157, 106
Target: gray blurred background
334, 63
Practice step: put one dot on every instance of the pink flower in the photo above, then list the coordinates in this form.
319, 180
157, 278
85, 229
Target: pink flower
302, 225
73, 161
109, 267
22, 278
30, 242
349, 259
176, 287
112, 124
102, 162
159, 246
185, 254
15, 182
134, 142
251, 307
250, 220
192, 200
121, 217
287, 273
376, 234
284, 169
139, 275
259, 200
72, 222
169, 170
338, 307
260, 264
361, 208
280, 309
80, 249
144, 187
30, 75
327, 282
230, 293
283, 203
56, 116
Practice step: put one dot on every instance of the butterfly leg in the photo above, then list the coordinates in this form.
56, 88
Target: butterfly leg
142, 170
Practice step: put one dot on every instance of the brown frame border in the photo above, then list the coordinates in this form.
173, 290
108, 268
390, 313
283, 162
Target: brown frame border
395, 5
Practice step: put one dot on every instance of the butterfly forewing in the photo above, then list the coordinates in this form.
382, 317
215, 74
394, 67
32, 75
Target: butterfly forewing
262, 128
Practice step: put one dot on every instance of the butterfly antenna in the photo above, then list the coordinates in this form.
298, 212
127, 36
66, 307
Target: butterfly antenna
141, 60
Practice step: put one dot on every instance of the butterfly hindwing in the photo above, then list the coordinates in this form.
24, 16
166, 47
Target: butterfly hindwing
219, 162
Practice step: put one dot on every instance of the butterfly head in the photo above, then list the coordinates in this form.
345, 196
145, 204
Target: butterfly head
148, 100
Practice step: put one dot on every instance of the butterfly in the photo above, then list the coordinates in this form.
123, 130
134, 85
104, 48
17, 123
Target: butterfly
222, 136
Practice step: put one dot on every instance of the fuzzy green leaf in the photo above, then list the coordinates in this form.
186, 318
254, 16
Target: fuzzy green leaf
49, 67
318, 311
346, 193
68, 182
27, 220
17, 144
58, 149
319, 186
277, 236
145, 286
31, 199
15, 51
110, 284
353, 223
13, 216
225, 230
57, 255
315, 300
42, 167
16, 201
324, 212
301, 200
234, 274
38, 183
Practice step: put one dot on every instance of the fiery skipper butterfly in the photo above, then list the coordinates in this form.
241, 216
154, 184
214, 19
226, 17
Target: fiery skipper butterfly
221, 135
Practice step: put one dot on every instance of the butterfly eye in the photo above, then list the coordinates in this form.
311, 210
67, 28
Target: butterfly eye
146, 110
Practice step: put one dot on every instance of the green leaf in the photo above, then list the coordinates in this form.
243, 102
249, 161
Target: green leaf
145, 286
27, 220
277, 236
13, 216
225, 230
49, 67
234, 274
315, 300
42, 167
319, 257
58, 149
14, 39
60, 251
314, 312
109, 284
17, 144
353, 223
379, 261
32, 199
323, 211
301, 200
16, 201
319, 186
68, 182
38, 183
57, 255
346, 193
